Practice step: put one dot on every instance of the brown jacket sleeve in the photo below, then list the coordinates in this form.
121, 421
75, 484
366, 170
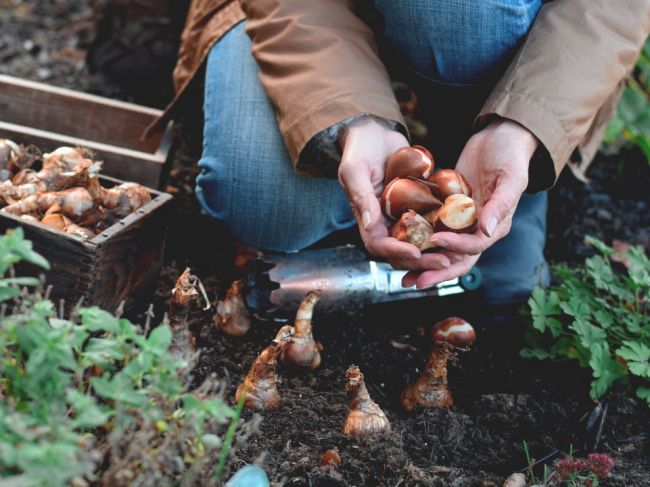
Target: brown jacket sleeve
318, 64
575, 56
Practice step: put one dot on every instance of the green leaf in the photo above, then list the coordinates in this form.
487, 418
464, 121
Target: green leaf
542, 307
643, 392
639, 266
95, 319
86, 412
576, 307
634, 351
536, 353
599, 245
605, 369
588, 334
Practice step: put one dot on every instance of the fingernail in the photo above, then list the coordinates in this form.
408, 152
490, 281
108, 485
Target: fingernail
440, 243
445, 262
416, 255
490, 226
366, 219
458, 257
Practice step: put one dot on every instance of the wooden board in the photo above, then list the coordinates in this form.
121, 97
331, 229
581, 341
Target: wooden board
51, 117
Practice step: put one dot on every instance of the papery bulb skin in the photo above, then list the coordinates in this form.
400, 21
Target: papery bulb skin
446, 182
401, 195
415, 161
260, 386
414, 229
232, 316
365, 417
458, 214
302, 350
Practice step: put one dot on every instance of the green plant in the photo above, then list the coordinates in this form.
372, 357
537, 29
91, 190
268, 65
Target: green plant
95, 397
631, 121
598, 315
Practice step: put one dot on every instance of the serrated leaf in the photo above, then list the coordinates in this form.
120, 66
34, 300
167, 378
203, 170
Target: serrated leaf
576, 307
635, 351
605, 369
603, 319
588, 334
639, 269
599, 245
542, 307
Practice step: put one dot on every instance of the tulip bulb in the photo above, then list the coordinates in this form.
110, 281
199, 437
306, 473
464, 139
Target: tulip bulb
414, 229
302, 350
260, 386
431, 389
445, 182
458, 214
232, 317
401, 195
365, 417
413, 161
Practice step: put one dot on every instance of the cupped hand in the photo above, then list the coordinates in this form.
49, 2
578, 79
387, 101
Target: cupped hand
367, 144
495, 162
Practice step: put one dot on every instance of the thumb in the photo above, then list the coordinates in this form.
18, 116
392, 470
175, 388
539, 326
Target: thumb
500, 207
358, 186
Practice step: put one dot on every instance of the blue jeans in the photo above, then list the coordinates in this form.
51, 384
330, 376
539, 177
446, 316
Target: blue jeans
247, 179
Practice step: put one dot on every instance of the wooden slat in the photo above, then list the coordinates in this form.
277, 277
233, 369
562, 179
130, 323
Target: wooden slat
76, 114
126, 164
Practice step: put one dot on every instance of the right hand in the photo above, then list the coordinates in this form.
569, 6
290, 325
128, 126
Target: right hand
367, 144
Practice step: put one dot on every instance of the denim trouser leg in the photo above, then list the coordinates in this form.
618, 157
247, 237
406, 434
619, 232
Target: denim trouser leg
246, 177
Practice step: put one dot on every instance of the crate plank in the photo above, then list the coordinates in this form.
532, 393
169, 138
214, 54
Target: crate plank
51, 117
119, 162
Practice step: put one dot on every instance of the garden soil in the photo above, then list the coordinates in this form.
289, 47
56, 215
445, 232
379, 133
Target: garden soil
501, 400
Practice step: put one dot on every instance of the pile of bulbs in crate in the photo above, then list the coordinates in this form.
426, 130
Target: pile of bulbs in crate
65, 193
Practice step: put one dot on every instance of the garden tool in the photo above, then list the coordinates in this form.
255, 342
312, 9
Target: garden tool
348, 281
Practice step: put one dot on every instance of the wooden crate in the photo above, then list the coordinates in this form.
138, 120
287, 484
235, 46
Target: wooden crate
111, 267
50, 117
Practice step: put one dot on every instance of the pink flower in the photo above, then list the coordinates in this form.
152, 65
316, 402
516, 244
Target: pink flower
600, 464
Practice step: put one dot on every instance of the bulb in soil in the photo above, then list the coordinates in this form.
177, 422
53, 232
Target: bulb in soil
232, 316
302, 350
458, 214
401, 195
446, 182
365, 417
185, 297
259, 389
413, 161
431, 389
414, 229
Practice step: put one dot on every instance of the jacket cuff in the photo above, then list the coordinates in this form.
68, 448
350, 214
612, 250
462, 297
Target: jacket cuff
554, 151
311, 162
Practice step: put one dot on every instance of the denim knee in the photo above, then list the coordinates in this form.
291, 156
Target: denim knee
270, 213
246, 178
515, 265
457, 41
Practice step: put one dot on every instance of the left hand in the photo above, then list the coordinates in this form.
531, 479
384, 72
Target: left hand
495, 162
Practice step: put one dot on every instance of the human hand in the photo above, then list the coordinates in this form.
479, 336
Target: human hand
367, 144
495, 162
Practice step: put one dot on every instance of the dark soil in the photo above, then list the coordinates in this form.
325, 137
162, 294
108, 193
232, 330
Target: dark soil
500, 400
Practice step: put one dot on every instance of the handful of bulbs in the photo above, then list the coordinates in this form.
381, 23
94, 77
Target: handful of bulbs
422, 201
65, 193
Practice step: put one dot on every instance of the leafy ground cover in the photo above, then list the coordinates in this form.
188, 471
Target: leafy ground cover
501, 398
